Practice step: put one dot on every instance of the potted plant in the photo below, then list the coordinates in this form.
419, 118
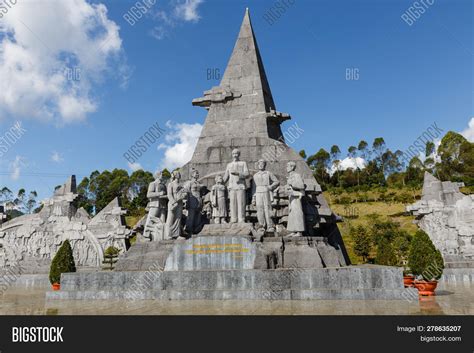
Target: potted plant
408, 278
426, 263
62, 262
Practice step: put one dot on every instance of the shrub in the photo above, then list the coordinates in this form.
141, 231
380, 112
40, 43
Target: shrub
424, 259
385, 253
362, 242
62, 262
401, 246
110, 257
404, 198
392, 243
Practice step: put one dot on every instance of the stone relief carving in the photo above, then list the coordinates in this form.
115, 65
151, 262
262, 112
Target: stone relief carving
32, 240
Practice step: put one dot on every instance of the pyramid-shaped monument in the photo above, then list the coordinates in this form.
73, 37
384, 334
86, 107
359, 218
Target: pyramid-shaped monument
240, 259
242, 114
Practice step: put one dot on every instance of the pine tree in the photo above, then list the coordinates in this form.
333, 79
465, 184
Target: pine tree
424, 259
63, 262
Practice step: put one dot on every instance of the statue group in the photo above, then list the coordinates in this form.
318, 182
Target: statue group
192, 205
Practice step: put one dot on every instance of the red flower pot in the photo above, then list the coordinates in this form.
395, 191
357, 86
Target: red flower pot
56, 286
426, 287
408, 281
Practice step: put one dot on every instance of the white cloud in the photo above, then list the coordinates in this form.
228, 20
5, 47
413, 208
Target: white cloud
187, 10
348, 163
469, 132
134, 166
15, 167
52, 55
180, 144
57, 157
180, 11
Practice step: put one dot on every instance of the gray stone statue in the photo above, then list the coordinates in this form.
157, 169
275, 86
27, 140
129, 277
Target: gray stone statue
194, 204
219, 201
176, 195
263, 185
156, 209
296, 190
235, 174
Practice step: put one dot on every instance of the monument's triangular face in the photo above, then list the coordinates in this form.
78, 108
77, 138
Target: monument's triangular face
428, 177
242, 115
245, 72
242, 105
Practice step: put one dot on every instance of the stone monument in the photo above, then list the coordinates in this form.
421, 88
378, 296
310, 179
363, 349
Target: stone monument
157, 209
32, 240
300, 252
235, 174
447, 216
219, 201
194, 203
263, 186
176, 196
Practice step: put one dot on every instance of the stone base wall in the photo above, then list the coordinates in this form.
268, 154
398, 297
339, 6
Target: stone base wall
364, 282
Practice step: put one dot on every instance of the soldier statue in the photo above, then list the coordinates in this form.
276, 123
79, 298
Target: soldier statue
263, 185
235, 174
194, 204
156, 209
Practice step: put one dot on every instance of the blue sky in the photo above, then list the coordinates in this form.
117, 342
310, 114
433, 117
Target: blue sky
131, 77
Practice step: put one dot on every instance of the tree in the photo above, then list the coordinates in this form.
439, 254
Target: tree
429, 148
401, 246
111, 255
384, 234
424, 260
385, 253
319, 162
165, 174
351, 151
137, 192
379, 147
362, 147
63, 262
6, 195
362, 242
457, 159
30, 204
335, 152
302, 154
390, 162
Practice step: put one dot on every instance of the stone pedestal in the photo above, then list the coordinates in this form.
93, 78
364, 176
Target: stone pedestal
217, 248
350, 282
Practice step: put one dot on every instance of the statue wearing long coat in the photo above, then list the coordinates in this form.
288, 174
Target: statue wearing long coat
176, 195
296, 191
